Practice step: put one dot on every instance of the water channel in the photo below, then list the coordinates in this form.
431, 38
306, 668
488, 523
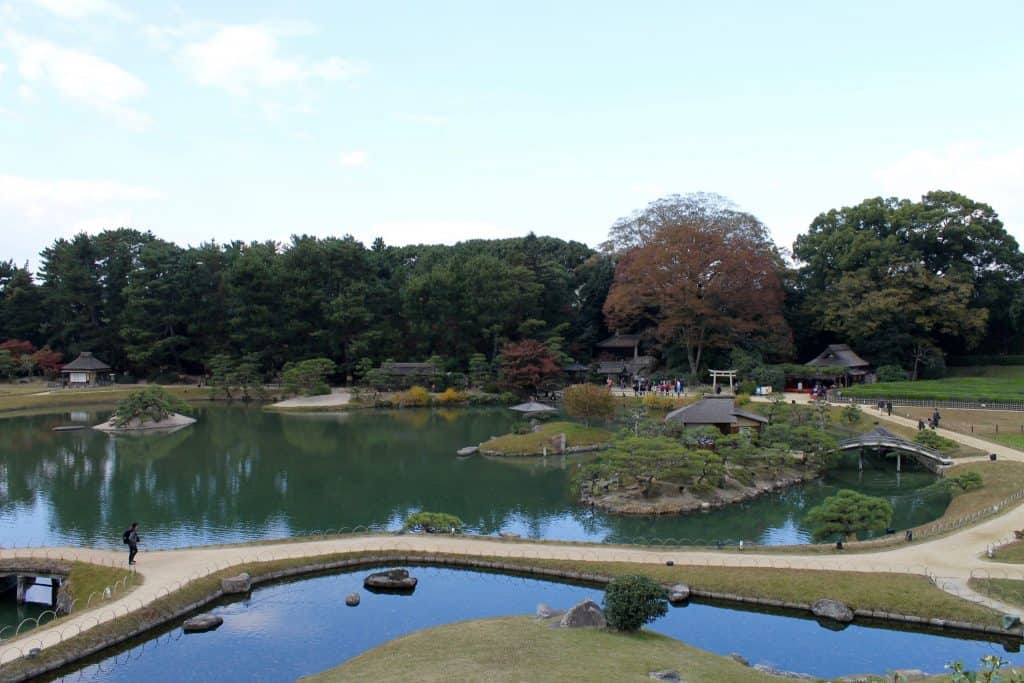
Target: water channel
241, 474
294, 629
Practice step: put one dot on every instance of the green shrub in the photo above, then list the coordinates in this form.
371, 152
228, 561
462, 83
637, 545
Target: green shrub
851, 414
847, 513
152, 403
632, 601
319, 390
307, 376
968, 481
746, 387
433, 523
931, 439
891, 373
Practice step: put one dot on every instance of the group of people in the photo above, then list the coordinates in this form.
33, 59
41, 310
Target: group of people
665, 387
884, 407
933, 421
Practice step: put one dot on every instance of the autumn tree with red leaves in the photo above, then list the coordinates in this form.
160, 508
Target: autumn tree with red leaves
697, 272
48, 361
527, 365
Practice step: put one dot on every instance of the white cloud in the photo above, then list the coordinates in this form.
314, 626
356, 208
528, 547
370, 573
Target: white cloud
243, 58
36, 210
80, 77
993, 177
81, 9
352, 159
19, 191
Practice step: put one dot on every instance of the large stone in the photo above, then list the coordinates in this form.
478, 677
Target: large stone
679, 594
391, 580
545, 611
584, 615
772, 671
906, 675
832, 609
236, 584
739, 659
665, 675
352, 599
201, 623
65, 601
468, 450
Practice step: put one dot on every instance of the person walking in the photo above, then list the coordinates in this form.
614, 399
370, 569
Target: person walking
131, 537
888, 408
935, 419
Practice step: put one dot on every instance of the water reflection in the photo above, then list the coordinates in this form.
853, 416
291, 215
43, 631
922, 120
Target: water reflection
242, 474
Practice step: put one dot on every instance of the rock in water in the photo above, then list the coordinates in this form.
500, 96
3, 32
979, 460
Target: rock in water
236, 584
391, 580
832, 609
352, 599
204, 622
679, 594
584, 615
468, 450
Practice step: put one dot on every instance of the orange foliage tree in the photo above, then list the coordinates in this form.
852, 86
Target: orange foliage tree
699, 276
527, 365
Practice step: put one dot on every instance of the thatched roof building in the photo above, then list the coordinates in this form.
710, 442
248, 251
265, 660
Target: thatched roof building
85, 370
720, 412
841, 355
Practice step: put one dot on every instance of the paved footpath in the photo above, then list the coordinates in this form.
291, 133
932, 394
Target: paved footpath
948, 560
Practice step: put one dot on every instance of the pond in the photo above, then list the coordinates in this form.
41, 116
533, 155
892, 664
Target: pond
241, 474
288, 630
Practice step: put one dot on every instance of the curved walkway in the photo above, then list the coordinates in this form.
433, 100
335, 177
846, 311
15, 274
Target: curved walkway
949, 560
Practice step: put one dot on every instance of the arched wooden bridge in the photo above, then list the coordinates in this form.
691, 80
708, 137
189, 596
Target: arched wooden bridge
883, 438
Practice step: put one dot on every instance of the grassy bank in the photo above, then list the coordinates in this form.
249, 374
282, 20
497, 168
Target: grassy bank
480, 651
999, 388
535, 442
1010, 591
1011, 552
21, 399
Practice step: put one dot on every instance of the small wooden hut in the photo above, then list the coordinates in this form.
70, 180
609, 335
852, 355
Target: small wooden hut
85, 371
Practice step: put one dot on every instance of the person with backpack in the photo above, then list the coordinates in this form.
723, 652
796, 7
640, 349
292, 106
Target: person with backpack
131, 538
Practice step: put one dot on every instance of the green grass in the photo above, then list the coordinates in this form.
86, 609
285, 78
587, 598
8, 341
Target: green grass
22, 399
521, 649
1005, 590
85, 579
534, 442
1011, 552
1000, 479
952, 388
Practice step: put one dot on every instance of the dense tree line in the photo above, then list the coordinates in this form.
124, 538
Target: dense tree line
903, 282
148, 306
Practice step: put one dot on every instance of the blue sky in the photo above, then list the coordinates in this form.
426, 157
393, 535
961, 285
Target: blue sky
440, 121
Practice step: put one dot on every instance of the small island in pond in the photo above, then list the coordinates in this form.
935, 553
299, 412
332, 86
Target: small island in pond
150, 409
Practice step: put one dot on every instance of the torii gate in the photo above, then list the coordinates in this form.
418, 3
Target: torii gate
715, 374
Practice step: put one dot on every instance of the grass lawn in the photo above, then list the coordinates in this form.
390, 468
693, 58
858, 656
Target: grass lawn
1000, 479
85, 579
951, 388
1011, 552
533, 443
1005, 590
19, 399
521, 649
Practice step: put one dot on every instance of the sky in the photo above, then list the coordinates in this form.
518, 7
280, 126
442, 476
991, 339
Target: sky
436, 122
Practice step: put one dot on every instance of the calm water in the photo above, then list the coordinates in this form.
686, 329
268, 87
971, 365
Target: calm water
241, 474
289, 630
